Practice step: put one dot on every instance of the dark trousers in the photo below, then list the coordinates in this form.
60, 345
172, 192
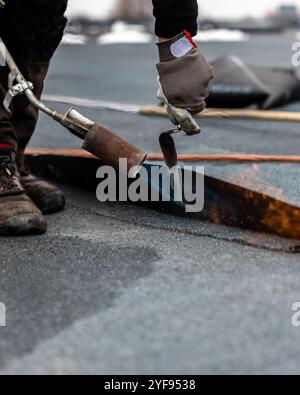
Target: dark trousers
17, 129
32, 30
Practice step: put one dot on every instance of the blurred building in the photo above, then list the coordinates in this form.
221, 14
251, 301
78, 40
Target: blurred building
282, 18
133, 10
288, 14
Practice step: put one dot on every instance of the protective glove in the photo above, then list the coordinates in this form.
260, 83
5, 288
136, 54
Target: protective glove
184, 78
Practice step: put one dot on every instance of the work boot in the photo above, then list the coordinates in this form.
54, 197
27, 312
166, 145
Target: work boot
48, 198
18, 214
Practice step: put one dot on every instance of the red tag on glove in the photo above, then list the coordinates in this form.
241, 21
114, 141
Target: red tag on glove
190, 38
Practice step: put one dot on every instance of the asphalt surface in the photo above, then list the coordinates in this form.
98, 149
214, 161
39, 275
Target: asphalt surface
122, 289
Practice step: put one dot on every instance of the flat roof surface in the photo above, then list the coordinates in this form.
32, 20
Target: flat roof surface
122, 289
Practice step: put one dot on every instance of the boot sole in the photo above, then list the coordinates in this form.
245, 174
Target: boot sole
24, 224
53, 203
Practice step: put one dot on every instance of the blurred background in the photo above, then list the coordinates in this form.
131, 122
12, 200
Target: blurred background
94, 18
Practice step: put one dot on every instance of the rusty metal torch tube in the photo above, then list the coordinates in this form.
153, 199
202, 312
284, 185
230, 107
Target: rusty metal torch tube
110, 148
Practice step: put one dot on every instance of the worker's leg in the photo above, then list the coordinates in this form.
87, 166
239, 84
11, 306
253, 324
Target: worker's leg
7, 133
32, 44
46, 196
25, 115
18, 214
